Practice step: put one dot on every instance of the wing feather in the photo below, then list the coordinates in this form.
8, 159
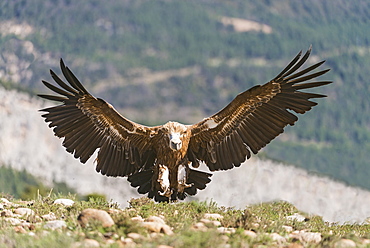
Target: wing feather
256, 116
87, 123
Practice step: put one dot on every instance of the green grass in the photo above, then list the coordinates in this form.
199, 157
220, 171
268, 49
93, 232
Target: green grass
263, 219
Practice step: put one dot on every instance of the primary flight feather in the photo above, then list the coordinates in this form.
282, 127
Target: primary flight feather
160, 160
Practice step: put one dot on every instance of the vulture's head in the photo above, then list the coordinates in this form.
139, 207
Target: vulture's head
178, 135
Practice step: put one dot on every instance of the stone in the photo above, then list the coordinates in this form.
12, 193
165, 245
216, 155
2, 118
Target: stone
135, 236
213, 216
65, 202
128, 242
90, 243
308, 237
157, 227
30, 226
288, 229
5, 201
155, 235
152, 226
199, 226
167, 230
155, 219
1, 206
345, 243
137, 219
88, 215
7, 213
224, 238
366, 241
110, 242
20, 229
294, 245
86, 243
278, 238
55, 224
24, 211
296, 217
210, 222
250, 233
49, 217
226, 230
14, 221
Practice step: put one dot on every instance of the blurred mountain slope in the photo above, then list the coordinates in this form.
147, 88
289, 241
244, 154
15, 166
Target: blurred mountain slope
184, 60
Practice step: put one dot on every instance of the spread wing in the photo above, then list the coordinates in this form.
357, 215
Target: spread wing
87, 123
254, 117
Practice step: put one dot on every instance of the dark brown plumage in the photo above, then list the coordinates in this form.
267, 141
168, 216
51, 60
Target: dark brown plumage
159, 160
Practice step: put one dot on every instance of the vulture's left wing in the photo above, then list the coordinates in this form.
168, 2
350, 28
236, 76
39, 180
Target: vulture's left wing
87, 123
254, 117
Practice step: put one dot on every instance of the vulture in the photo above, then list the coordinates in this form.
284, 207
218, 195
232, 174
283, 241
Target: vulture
161, 160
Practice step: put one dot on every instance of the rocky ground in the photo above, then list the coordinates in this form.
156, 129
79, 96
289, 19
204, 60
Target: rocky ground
61, 222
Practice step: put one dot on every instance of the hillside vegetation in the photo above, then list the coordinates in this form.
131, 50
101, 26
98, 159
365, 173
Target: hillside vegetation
179, 60
54, 221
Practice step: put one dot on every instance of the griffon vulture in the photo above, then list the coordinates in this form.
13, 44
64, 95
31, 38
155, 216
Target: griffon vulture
160, 160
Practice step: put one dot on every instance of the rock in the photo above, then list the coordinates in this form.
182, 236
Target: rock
157, 227
296, 217
366, 241
250, 233
30, 226
5, 201
278, 238
14, 221
155, 235
167, 230
294, 245
227, 230
152, 226
128, 242
213, 216
65, 202
164, 246
199, 227
6, 213
55, 224
86, 243
24, 211
211, 222
155, 219
26, 203
309, 237
49, 217
19, 229
90, 243
114, 211
110, 242
345, 243
137, 219
90, 214
1, 206
224, 238
288, 229
135, 236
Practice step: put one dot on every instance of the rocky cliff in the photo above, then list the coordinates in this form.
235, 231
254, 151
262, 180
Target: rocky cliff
27, 143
